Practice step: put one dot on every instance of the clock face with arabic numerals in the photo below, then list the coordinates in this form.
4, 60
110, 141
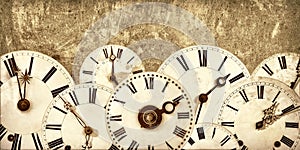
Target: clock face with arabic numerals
149, 110
29, 81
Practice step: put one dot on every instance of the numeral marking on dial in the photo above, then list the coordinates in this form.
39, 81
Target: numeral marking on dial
183, 115
105, 52
183, 63
94, 60
1, 83
3, 131
11, 66
119, 101
291, 124
133, 145
49, 74
164, 89
228, 124
260, 92
87, 72
214, 132
120, 133
244, 95
30, 65
116, 118
92, 95
232, 108
237, 77
55, 92
282, 62
37, 141
179, 132
267, 69
291, 107
119, 53
200, 132
224, 60
149, 82
191, 141
276, 96
225, 140
202, 58
130, 59
53, 126
17, 142
113, 147
59, 109
56, 144
169, 145
74, 98
131, 87
150, 147
177, 99
287, 141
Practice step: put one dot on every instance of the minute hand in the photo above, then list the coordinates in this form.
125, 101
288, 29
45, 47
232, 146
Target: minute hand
295, 109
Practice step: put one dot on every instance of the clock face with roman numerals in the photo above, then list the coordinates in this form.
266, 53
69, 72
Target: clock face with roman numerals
149, 111
198, 67
29, 81
284, 67
63, 129
211, 136
109, 65
261, 113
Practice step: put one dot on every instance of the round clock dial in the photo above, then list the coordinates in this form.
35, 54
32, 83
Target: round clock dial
261, 113
206, 70
29, 81
149, 110
75, 119
109, 65
284, 67
211, 136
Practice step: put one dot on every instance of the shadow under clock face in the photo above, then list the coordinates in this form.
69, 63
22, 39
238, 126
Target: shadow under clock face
262, 109
29, 81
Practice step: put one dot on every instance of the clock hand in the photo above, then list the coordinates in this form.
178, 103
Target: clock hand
220, 82
294, 83
112, 58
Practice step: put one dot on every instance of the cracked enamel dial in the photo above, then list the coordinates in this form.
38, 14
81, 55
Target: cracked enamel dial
109, 65
284, 67
211, 136
75, 119
206, 70
29, 81
263, 113
149, 111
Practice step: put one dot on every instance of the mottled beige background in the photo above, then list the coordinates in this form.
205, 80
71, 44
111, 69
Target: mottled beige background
251, 29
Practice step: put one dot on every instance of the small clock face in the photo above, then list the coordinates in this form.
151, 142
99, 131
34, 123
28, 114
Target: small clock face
211, 136
149, 110
261, 114
198, 69
109, 65
284, 67
66, 127
29, 81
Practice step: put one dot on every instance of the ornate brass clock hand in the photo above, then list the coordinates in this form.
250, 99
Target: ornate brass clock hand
220, 82
112, 58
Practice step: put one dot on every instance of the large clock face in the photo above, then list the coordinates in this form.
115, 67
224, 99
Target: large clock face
109, 65
29, 81
199, 69
284, 67
261, 114
75, 119
149, 110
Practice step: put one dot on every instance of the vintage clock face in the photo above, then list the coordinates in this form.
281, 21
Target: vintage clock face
29, 81
211, 136
262, 114
149, 111
284, 67
76, 119
109, 65
206, 70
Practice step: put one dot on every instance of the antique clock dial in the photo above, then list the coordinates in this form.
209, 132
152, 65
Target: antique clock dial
262, 113
29, 81
109, 65
206, 72
284, 67
149, 111
75, 119
211, 136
